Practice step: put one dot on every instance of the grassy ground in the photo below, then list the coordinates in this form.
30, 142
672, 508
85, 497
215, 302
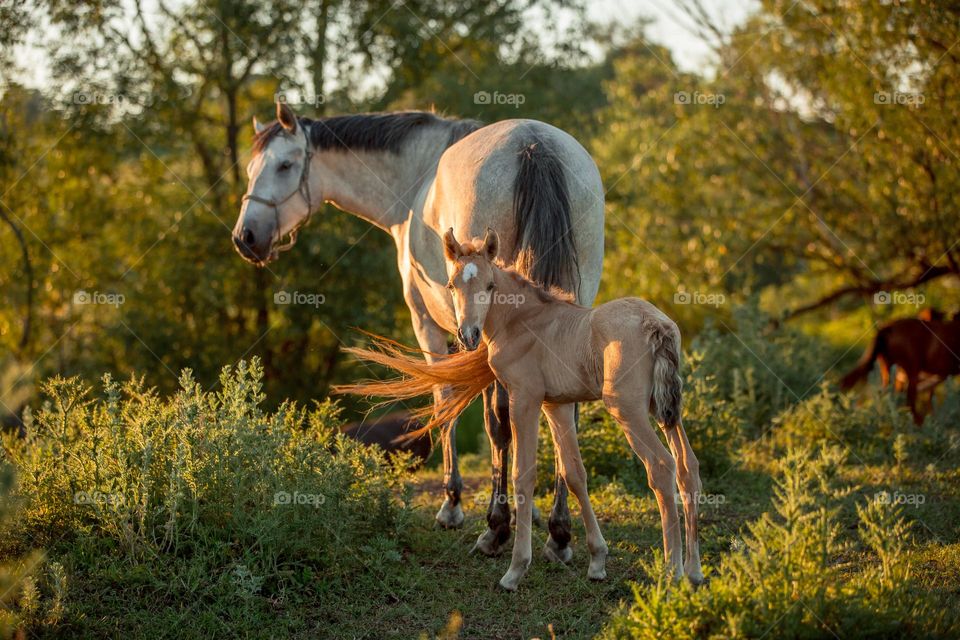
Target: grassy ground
195, 545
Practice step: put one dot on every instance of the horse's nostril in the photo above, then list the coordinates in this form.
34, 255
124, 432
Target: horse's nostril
247, 237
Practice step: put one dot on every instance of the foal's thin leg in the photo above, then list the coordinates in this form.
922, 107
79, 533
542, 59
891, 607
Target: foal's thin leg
496, 419
561, 419
661, 470
688, 478
524, 414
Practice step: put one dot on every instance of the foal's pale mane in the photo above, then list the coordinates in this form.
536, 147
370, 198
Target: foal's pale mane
475, 247
368, 131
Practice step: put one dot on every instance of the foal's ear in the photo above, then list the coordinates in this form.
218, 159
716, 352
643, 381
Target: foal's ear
491, 244
451, 248
257, 127
286, 116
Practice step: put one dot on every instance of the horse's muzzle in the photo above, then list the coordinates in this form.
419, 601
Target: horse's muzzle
248, 253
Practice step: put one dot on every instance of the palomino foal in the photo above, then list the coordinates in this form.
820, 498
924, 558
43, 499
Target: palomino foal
550, 353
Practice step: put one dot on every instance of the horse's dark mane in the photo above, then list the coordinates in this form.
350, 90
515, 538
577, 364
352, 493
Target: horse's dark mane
367, 131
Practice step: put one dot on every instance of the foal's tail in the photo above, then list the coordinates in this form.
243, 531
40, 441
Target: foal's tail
864, 364
463, 375
667, 398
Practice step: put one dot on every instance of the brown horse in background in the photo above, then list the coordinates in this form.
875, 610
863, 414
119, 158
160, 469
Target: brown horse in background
925, 350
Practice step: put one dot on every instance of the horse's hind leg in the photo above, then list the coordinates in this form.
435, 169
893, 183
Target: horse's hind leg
559, 525
688, 478
660, 465
570, 466
496, 420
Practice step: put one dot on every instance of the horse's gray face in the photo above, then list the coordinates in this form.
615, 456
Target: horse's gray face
274, 204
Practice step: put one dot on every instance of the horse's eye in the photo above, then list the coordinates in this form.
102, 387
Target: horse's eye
286, 164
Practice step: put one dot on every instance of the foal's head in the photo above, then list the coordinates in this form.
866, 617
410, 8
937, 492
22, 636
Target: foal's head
471, 282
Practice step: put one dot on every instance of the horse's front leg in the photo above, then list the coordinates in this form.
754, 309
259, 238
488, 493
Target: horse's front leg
558, 548
433, 339
524, 414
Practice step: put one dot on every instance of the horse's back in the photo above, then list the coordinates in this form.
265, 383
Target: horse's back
476, 181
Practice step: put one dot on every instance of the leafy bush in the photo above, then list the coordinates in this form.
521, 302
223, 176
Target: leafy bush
789, 576
252, 502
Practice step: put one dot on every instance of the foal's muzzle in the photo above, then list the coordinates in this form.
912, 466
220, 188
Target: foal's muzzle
469, 337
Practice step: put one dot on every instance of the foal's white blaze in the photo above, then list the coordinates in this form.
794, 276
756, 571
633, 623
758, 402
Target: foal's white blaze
469, 272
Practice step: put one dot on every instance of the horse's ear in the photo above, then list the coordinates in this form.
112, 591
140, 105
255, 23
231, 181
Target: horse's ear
257, 127
286, 116
451, 248
491, 244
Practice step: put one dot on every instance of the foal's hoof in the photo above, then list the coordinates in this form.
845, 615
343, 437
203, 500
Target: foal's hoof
597, 575
511, 579
450, 516
487, 544
553, 553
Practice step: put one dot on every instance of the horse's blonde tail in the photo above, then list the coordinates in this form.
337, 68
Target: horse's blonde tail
667, 382
463, 375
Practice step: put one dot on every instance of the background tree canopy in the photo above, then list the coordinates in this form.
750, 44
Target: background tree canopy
814, 166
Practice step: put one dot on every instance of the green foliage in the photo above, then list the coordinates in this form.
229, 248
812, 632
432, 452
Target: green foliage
783, 577
255, 502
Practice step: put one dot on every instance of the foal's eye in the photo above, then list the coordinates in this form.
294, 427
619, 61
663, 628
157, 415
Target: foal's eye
286, 164
490, 287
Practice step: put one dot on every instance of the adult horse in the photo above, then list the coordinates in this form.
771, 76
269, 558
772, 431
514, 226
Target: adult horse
415, 175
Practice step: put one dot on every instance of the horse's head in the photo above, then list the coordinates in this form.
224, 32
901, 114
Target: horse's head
278, 199
471, 283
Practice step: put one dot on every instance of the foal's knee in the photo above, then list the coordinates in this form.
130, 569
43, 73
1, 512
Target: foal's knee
662, 474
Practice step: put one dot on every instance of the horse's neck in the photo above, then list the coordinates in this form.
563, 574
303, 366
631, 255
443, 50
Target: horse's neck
379, 186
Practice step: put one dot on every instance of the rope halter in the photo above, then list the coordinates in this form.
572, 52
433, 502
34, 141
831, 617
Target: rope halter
303, 188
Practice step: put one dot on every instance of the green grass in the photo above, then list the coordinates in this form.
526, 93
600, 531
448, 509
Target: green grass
199, 548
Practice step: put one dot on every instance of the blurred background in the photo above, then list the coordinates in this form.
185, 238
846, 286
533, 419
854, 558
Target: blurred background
794, 162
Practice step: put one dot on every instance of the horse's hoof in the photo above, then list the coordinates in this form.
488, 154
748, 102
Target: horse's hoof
555, 554
487, 544
597, 575
450, 517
